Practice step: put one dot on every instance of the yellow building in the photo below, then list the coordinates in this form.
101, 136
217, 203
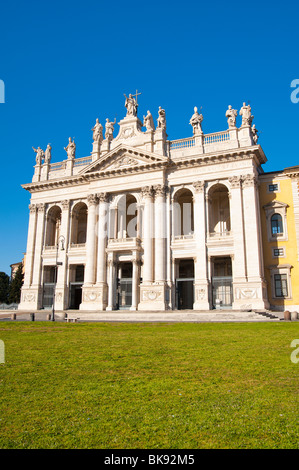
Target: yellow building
279, 199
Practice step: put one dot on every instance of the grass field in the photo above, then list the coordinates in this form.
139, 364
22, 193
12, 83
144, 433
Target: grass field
146, 386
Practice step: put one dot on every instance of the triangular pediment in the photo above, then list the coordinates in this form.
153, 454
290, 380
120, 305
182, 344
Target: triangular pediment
124, 157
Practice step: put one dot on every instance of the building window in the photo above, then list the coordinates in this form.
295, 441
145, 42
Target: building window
273, 188
276, 224
278, 252
281, 285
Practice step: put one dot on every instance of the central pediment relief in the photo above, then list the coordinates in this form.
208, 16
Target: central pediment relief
123, 158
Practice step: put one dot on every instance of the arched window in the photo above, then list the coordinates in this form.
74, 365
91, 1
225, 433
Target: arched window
127, 217
183, 213
53, 226
79, 224
219, 211
276, 224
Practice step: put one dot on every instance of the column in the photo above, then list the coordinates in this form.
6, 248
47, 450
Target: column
237, 228
148, 293
160, 233
27, 295
89, 276
61, 291
111, 269
255, 294
201, 285
135, 277
101, 254
89, 293
37, 265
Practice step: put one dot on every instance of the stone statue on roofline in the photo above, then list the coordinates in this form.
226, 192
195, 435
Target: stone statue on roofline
231, 115
148, 122
70, 149
39, 155
247, 117
196, 121
255, 136
48, 154
131, 105
97, 132
161, 121
109, 128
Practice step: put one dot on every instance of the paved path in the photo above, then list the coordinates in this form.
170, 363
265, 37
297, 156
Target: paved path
128, 316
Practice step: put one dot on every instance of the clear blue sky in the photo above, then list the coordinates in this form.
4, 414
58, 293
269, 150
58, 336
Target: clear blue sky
66, 63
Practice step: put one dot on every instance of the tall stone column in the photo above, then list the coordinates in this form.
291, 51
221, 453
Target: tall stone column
201, 285
255, 293
26, 294
160, 246
39, 243
101, 282
111, 283
89, 274
147, 291
61, 291
135, 281
237, 228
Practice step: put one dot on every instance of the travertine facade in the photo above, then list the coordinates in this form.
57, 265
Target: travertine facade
145, 223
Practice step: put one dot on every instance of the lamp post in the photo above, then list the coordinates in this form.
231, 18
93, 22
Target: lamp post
61, 240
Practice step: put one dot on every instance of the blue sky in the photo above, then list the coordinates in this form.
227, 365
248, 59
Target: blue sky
66, 63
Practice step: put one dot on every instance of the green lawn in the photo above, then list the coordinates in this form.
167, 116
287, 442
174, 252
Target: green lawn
146, 386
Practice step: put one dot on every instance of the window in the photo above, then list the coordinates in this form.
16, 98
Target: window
276, 224
273, 188
278, 252
281, 285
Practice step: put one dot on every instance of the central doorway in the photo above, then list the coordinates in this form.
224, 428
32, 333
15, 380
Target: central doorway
185, 284
124, 286
222, 285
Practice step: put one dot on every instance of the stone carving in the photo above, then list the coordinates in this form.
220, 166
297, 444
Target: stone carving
40, 207
160, 190
247, 117
231, 115
97, 132
196, 121
103, 197
235, 181
148, 122
48, 154
70, 149
39, 155
200, 294
255, 136
199, 186
147, 191
161, 121
109, 128
92, 199
29, 297
65, 204
248, 180
246, 293
124, 161
32, 208
131, 105
151, 295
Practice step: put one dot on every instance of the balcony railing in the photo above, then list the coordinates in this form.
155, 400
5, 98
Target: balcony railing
223, 234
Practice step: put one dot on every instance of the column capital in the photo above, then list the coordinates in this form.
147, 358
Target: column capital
65, 204
41, 207
235, 181
147, 192
160, 190
92, 199
32, 208
103, 197
249, 180
199, 186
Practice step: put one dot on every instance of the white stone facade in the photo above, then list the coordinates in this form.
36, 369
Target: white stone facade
145, 223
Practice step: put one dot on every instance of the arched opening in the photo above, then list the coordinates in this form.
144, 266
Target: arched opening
127, 217
183, 213
53, 226
79, 224
219, 211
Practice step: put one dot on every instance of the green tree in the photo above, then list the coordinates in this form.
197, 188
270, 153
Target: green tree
4, 287
15, 286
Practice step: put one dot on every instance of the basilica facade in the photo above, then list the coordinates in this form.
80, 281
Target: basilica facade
147, 223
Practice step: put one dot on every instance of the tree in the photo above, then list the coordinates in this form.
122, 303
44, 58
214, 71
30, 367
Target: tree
15, 286
4, 287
